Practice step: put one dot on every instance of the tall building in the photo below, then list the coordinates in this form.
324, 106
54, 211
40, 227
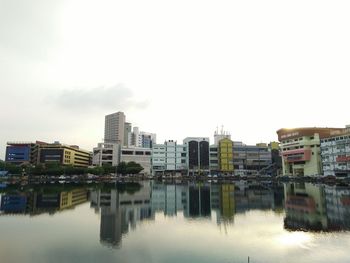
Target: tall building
300, 150
335, 152
169, 158
197, 155
225, 148
115, 128
127, 134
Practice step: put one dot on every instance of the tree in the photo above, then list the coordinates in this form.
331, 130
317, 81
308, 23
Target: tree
133, 168
121, 168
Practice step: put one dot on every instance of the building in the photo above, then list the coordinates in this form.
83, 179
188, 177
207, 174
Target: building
300, 150
250, 159
142, 139
138, 155
64, 154
115, 128
169, 158
197, 155
127, 134
23, 152
335, 152
106, 153
225, 154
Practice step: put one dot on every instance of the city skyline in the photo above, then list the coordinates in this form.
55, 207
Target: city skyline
176, 70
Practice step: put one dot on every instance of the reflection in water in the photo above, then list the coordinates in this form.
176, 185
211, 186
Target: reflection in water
40, 201
312, 207
121, 209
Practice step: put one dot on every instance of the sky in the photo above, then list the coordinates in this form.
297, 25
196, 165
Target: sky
176, 68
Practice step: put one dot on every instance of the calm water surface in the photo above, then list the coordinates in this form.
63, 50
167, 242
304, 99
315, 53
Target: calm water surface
183, 222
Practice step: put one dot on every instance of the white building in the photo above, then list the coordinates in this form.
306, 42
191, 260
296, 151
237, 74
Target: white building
138, 155
335, 152
141, 139
106, 153
115, 128
168, 158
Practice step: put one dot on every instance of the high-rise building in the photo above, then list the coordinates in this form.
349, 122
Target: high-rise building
115, 128
127, 133
197, 155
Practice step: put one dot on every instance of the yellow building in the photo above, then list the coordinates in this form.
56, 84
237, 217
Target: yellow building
225, 154
227, 201
64, 154
72, 198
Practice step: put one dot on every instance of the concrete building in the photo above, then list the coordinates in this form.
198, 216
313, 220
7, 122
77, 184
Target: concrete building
23, 152
115, 128
127, 134
250, 159
64, 154
197, 155
300, 150
169, 158
335, 152
138, 155
106, 153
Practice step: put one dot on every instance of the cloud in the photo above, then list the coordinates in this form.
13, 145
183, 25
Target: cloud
115, 97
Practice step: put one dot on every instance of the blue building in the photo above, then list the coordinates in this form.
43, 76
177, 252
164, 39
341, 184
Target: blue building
22, 152
13, 203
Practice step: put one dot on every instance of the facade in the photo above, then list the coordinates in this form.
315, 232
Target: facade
138, 155
106, 153
197, 155
213, 159
142, 139
300, 150
169, 158
23, 152
127, 134
335, 152
115, 128
225, 148
250, 159
64, 154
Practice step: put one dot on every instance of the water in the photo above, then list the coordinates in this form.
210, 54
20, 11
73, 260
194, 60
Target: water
183, 222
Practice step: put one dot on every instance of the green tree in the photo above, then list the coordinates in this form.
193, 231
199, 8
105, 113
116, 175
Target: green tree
121, 168
133, 168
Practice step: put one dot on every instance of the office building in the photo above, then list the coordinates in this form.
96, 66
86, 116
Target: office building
300, 150
106, 153
138, 155
169, 158
115, 128
64, 154
335, 152
23, 152
197, 155
250, 159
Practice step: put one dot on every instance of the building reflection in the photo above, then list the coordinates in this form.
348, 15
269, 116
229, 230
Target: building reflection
120, 210
312, 207
39, 202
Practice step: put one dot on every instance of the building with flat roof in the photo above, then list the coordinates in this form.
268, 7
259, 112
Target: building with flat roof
300, 150
106, 153
197, 155
115, 128
23, 152
138, 155
169, 158
64, 154
335, 152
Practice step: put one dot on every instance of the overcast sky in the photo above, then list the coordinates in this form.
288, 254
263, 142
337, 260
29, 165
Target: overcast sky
177, 68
